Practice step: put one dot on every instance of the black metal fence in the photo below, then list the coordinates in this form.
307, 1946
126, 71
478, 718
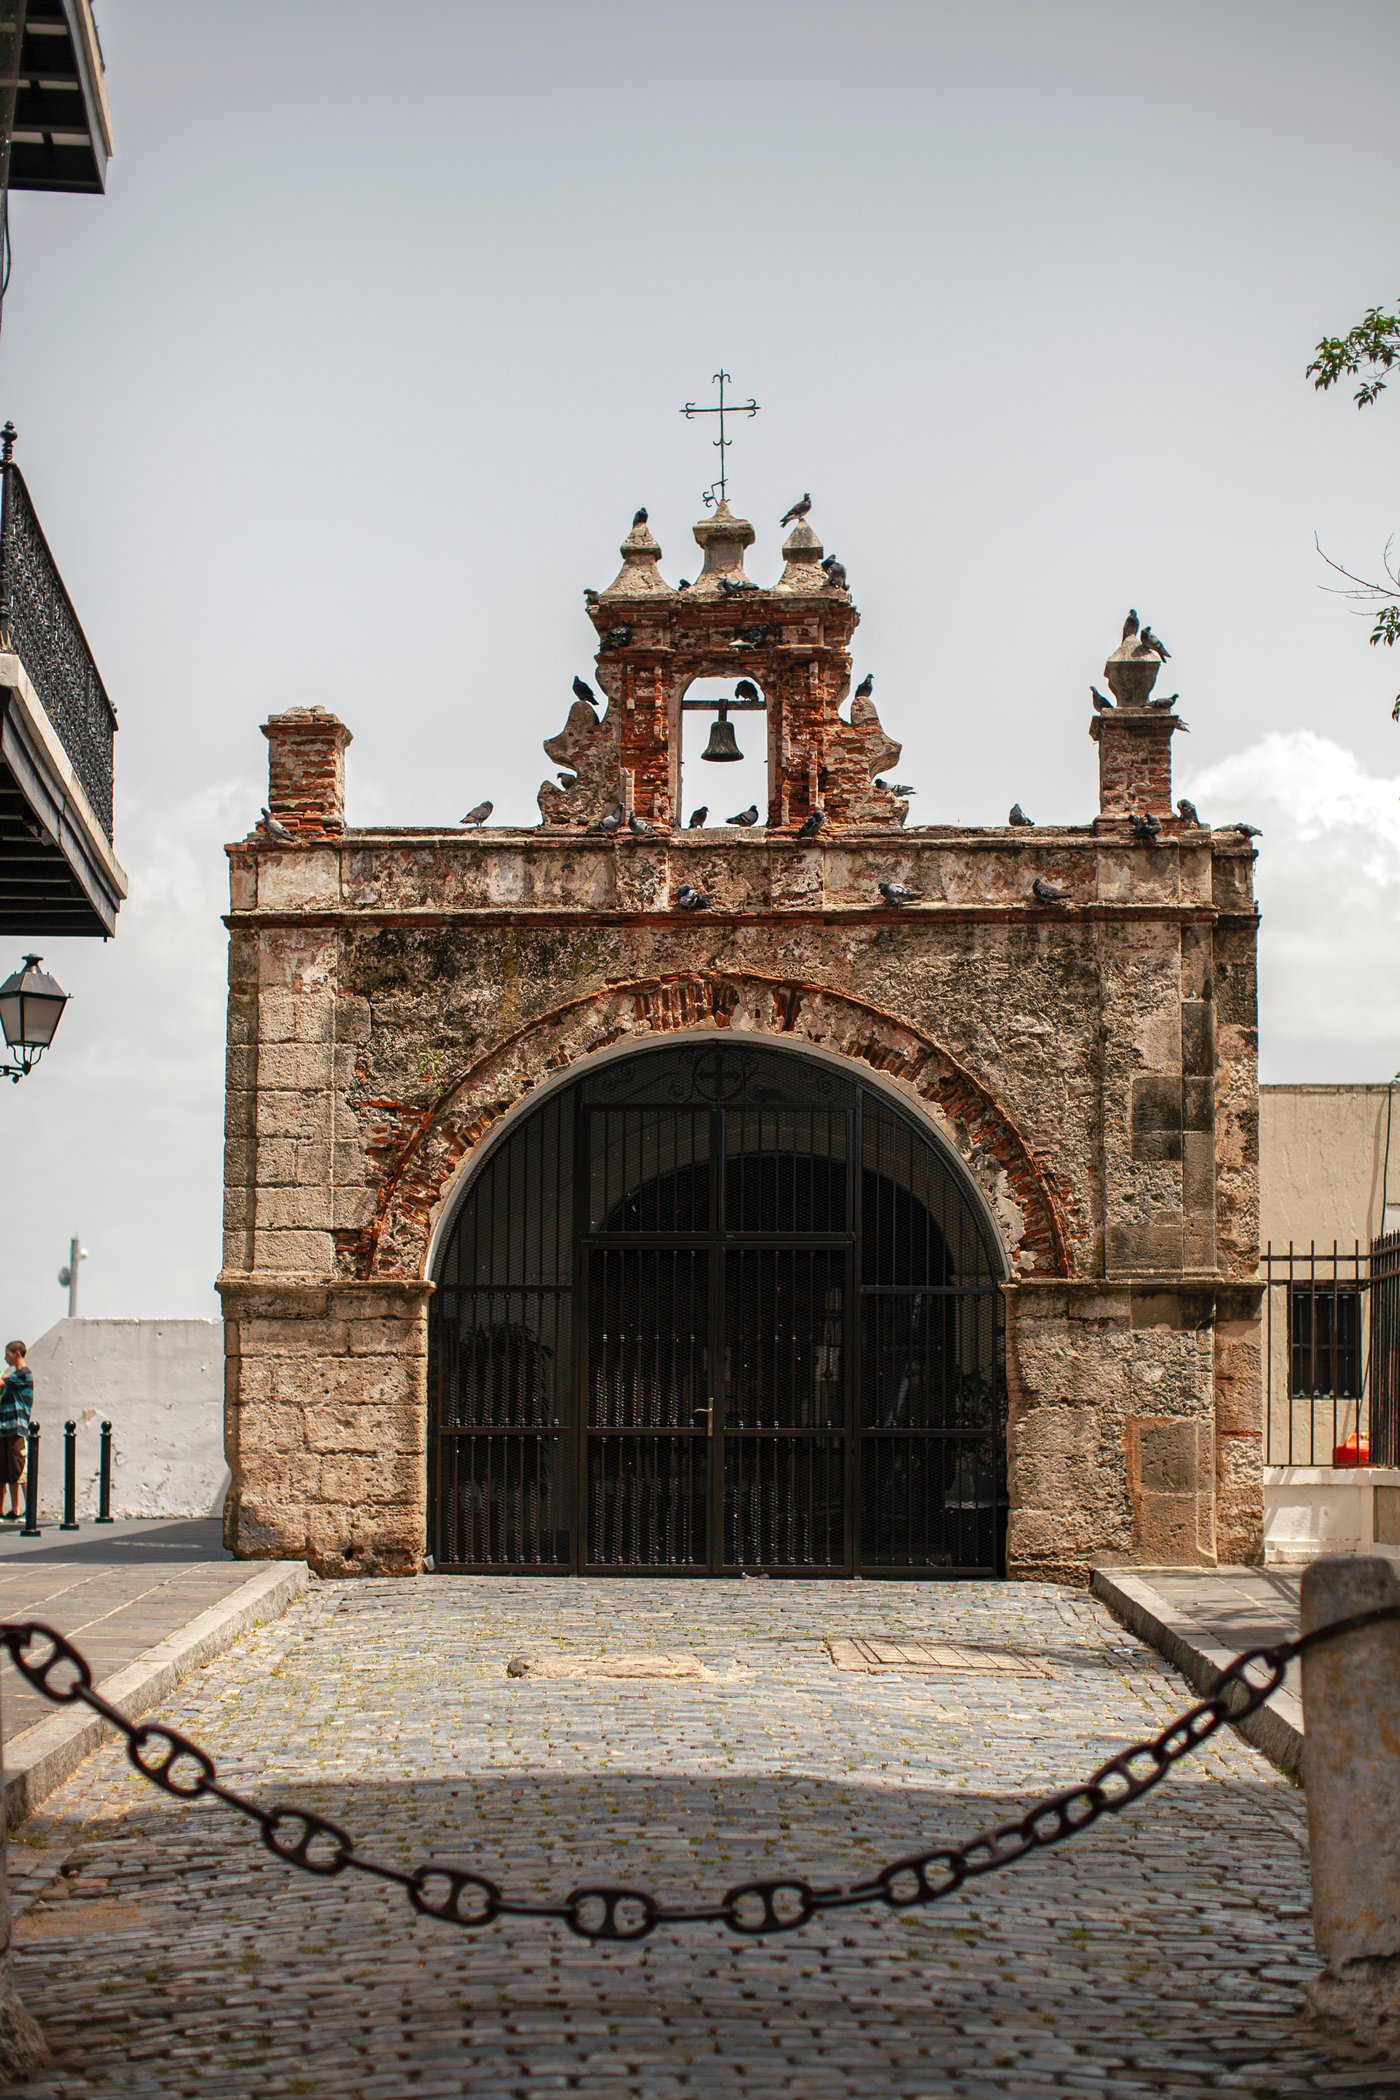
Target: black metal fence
1332, 1354
38, 622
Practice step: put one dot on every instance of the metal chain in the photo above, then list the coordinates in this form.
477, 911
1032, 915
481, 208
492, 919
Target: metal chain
318, 1846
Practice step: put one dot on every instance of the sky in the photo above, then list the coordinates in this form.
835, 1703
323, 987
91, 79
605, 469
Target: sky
353, 380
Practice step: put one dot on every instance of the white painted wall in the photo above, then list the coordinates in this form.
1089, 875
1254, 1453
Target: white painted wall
160, 1383
1311, 1510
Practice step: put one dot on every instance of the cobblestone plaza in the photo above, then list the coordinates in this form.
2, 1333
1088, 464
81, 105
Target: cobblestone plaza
1162, 1953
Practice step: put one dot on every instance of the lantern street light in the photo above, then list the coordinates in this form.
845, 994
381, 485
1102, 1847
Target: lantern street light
31, 1006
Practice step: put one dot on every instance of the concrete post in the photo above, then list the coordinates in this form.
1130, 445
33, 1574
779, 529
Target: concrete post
1351, 1772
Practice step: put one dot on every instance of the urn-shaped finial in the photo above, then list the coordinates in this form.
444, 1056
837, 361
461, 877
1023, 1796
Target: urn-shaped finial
639, 575
1132, 669
802, 554
723, 538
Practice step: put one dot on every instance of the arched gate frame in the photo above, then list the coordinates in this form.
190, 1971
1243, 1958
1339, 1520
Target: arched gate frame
718, 1307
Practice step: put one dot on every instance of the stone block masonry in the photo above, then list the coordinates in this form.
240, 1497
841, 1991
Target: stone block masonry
396, 997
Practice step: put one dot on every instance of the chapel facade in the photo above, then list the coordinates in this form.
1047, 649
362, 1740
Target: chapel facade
617, 1196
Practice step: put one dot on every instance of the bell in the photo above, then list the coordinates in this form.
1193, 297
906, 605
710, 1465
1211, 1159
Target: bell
722, 750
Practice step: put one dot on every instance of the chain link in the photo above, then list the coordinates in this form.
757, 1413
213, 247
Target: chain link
457, 1896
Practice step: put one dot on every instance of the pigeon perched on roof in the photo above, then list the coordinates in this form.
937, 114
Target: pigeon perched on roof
639, 517
1018, 816
590, 597
1102, 704
1146, 826
1048, 892
684, 584
1188, 812
584, 691
606, 826
735, 586
895, 893
866, 687
698, 816
754, 636
1150, 641
617, 638
1130, 625
896, 787
747, 690
746, 817
1164, 701
836, 575
1246, 831
691, 899
799, 510
812, 825
638, 826
276, 829
479, 814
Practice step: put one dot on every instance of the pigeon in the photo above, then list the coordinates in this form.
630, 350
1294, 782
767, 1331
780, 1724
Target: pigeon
1048, 892
684, 584
1102, 704
895, 893
1246, 831
754, 636
865, 688
1188, 812
799, 510
639, 517
606, 826
747, 690
746, 817
589, 597
1018, 816
584, 691
813, 824
691, 899
638, 826
836, 576
276, 829
617, 638
896, 787
735, 586
1150, 641
1146, 826
698, 816
479, 814
1130, 625
1164, 701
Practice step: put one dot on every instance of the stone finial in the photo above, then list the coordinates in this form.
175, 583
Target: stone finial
1132, 669
306, 771
803, 575
639, 575
723, 538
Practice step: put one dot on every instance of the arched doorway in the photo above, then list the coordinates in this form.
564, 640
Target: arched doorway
711, 1308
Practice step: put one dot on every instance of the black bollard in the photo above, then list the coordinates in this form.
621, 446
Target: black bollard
104, 1476
31, 1485
70, 1477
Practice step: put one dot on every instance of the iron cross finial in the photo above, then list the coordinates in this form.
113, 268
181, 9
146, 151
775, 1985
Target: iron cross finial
721, 443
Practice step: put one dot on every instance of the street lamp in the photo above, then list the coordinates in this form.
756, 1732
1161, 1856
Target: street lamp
31, 1006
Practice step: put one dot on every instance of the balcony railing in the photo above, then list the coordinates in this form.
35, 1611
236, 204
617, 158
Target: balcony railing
38, 623
1332, 1354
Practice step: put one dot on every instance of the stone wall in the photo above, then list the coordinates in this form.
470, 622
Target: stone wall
393, 996
160, 1383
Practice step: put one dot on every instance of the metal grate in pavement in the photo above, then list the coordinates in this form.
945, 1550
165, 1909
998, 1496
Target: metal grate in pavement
870, 1657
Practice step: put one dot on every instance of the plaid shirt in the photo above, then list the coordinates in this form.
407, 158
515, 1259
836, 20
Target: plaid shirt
16, 1401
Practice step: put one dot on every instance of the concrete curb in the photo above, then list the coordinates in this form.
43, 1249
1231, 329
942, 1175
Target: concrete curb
1277, 1729
41, 1758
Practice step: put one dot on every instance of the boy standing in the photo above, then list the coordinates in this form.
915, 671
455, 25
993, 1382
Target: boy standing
16, 1406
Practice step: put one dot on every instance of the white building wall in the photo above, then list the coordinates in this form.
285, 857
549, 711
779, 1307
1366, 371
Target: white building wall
160, 1383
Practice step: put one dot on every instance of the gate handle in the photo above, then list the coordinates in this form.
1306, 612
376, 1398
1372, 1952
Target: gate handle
708, 1411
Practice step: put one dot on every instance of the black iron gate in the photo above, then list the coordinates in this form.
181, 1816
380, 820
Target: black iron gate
718, 1308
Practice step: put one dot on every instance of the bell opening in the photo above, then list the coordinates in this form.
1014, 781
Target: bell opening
724, 759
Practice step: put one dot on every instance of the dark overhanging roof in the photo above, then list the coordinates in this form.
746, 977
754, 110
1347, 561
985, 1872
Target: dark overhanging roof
62, 129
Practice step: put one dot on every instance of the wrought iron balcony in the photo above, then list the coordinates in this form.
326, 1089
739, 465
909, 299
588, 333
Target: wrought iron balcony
58, 873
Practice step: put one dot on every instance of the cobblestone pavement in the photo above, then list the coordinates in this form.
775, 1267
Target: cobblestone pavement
1163, 1953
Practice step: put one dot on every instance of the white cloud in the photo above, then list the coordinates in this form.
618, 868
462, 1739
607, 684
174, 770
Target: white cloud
1328, 879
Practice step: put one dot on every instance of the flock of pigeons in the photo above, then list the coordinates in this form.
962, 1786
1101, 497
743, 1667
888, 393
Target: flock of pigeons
1146, 826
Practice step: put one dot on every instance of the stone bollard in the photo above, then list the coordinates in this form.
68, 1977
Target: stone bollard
1351, 1772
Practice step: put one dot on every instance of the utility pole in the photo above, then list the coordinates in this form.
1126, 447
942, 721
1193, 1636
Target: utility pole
68, 1275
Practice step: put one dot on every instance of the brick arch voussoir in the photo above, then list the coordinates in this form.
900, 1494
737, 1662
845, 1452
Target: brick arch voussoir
1033, 1208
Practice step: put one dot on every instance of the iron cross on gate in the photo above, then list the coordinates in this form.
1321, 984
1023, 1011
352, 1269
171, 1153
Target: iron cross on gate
722, 443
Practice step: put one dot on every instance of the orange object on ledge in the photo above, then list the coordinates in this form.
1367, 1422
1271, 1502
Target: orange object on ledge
1354, 1450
